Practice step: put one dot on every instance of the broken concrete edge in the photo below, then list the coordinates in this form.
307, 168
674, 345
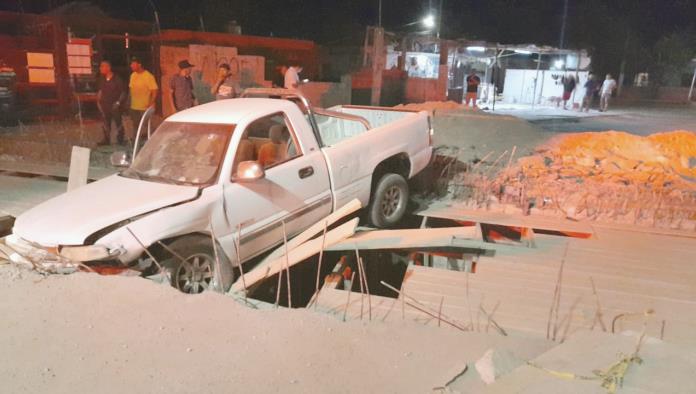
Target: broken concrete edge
495, 363
54, 171
295, 256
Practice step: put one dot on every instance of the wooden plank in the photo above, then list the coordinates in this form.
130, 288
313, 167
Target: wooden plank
295, 256
412, 239
79, 167
505, 219
315, 229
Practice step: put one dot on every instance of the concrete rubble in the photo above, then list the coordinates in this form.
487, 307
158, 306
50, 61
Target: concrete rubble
610, 177
495, 363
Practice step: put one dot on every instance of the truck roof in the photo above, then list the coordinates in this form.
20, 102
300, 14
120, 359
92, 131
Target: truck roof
231, 111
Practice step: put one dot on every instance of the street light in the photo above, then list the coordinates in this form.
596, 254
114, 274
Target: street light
429, 21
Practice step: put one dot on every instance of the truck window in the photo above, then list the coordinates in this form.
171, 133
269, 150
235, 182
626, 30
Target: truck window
185, 153
270, 140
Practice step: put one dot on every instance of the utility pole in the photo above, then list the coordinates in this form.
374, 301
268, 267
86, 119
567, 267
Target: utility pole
379, 13
561, 44
439, 19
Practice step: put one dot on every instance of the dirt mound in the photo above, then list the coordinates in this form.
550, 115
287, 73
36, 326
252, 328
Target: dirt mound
612, 176
477, 134
661, 160
431, 106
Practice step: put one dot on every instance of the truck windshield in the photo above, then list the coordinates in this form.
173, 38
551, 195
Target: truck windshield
182, 153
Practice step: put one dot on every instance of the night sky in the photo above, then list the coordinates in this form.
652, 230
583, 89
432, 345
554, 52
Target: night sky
609, 28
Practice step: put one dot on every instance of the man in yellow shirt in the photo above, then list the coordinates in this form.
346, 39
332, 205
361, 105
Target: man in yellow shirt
143, 92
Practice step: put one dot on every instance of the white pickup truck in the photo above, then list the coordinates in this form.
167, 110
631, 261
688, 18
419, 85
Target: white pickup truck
251, 163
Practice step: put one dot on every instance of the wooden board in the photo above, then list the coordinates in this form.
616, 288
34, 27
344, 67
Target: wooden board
315, 229
412, 238
79, 167
295, 256
505, 219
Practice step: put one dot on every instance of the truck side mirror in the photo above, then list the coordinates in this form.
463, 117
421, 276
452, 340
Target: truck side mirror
248, 171
120, 159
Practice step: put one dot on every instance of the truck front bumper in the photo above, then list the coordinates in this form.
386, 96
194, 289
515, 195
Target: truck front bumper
59, 259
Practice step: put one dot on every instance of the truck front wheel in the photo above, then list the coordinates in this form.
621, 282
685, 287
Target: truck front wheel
389, 201
194, 268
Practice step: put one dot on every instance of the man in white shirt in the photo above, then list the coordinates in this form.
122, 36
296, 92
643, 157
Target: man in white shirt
292, 77
607, 89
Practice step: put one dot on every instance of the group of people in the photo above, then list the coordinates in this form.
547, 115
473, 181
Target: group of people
114, 98
181, 84
592, 87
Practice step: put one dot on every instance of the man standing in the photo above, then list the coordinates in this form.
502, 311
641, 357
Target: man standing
225, 87
292, 76
607, 89
143, 92
569, 84
591, 87
279, 77
182, 87
110, 98
472, 84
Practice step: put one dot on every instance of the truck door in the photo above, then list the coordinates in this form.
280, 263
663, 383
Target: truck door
295, 189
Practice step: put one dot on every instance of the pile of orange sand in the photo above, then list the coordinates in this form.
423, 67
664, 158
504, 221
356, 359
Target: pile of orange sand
431, 106
610, 175
657, 161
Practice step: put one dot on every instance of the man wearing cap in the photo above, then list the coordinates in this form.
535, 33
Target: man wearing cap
182, 87
143, 91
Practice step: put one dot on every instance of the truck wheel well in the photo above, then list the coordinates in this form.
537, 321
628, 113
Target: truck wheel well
397, 164
160, 253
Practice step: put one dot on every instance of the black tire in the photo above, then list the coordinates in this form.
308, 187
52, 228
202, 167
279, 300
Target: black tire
389, 201
197, 272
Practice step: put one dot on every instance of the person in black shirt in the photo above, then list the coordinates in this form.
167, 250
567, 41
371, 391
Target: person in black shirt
182, 87
110, 98
591, 88
472, 84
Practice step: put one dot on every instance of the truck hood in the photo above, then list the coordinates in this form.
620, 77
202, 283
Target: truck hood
71, 217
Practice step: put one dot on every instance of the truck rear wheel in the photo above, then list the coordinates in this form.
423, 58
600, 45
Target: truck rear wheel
389, 201
194, 269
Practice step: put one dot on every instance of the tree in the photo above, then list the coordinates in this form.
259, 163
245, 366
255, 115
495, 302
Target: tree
671, 56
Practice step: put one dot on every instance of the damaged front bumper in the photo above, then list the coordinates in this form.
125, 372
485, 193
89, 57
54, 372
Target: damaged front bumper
61, 259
